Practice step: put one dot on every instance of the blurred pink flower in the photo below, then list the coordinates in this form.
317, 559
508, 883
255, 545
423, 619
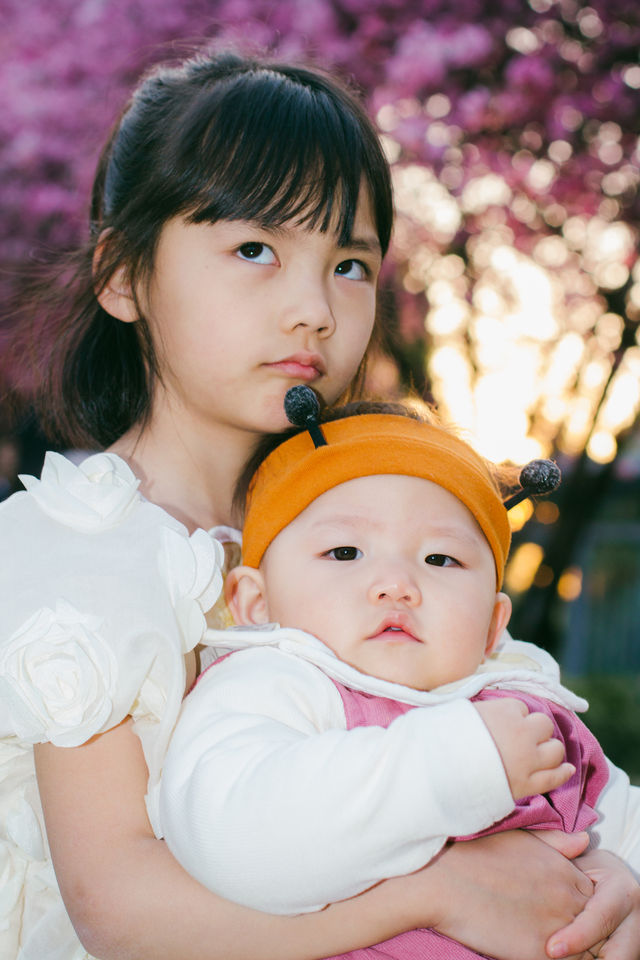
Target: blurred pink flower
67, 67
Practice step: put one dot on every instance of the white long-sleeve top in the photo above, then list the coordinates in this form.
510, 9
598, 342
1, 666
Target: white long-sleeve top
267, 799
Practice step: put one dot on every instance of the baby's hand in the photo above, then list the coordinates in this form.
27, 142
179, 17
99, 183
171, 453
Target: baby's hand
533, 760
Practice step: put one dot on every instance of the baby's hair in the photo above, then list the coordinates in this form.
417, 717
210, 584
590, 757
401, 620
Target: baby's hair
505, 476
217, 137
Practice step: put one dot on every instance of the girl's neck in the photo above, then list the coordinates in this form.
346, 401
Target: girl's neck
188, 470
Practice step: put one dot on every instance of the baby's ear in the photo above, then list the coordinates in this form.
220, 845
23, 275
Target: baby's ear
499, 621
244, 593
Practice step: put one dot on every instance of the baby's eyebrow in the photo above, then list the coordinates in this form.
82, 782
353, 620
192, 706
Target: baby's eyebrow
357, 522
350, 520
455, 533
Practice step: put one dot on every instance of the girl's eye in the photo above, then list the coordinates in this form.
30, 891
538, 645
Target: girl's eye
257, 253
441, 560
352, 270
344, 553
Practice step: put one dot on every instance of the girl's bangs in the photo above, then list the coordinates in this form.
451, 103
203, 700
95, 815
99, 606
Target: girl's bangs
281, 156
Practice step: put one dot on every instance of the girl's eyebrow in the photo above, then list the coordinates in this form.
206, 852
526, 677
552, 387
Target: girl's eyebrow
366, 244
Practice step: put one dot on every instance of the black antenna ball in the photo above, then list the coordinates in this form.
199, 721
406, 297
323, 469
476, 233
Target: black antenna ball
540, 476
536, 478
301, 405
302, 408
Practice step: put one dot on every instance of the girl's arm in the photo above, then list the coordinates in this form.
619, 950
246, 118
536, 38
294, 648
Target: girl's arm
129, 899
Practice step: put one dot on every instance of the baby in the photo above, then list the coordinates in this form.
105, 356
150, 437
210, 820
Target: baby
367, 713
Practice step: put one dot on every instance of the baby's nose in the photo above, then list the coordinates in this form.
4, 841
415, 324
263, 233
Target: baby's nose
395, 588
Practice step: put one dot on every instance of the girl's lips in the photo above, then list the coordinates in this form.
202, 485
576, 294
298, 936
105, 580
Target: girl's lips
296, 370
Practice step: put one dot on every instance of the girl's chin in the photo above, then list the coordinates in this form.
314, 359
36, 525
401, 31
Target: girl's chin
274, 419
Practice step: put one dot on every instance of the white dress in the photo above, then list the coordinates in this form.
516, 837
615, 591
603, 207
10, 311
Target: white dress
103, 594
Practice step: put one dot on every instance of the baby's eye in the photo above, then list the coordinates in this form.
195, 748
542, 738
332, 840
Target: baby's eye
441, 560
257, 253
344, 553
352, 270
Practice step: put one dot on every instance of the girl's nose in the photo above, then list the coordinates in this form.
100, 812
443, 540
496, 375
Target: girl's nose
308, 308
396, 588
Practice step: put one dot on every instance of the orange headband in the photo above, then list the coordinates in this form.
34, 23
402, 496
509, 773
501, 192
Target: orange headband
296, 473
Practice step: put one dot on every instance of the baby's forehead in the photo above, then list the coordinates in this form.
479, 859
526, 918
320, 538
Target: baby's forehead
361, 448
376, 498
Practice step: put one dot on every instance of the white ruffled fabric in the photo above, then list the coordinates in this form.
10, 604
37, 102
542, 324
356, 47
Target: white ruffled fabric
515, 665
103, 593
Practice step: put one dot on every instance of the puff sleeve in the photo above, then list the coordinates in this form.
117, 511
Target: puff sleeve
103, 593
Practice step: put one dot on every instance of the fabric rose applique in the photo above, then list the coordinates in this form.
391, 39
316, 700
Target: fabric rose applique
192, 569
95, 496
57, 677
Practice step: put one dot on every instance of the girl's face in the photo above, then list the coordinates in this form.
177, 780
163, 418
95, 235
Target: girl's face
239, 313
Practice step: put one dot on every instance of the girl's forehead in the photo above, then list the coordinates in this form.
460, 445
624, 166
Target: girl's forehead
297, 157
363, 232
314, 203
362, 239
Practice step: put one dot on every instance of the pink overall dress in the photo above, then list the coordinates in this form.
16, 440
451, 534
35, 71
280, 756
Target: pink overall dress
569, 808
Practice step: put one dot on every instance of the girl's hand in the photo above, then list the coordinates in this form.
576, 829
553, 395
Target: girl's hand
609, 926
501, 895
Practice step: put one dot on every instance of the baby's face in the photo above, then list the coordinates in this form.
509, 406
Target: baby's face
394, 575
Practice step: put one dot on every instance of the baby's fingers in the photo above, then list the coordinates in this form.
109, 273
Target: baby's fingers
548, 769
540, 727
549, 754
542, 781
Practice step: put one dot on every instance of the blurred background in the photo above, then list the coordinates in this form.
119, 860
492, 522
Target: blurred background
512, 292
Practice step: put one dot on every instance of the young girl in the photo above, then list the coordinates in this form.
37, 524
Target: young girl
239, 217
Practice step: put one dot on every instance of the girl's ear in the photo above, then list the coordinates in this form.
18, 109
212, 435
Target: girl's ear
499, 620
244, 592
117, 299
116, 296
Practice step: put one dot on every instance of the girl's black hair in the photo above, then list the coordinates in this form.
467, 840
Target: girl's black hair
216, 137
